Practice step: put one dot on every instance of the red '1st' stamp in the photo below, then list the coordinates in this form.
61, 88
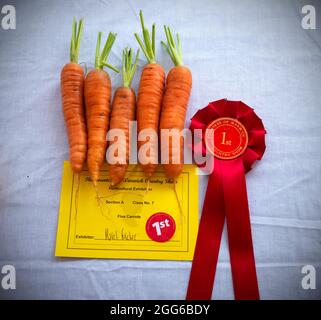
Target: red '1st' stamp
160, 227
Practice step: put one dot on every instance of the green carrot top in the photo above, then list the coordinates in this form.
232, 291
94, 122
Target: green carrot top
174, 50
128, 68
101, 57
148, 46
77, 30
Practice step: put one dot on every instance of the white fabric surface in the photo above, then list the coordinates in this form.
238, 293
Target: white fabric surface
254, 51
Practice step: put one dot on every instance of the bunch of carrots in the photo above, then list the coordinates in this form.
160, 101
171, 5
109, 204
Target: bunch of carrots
160, 104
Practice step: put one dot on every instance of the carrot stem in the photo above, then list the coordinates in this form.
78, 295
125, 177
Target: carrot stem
173, 49
148, 45
128, 68
101, 57
77, 30
105, 64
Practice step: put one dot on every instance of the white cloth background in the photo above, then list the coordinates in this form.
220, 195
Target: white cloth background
254, 51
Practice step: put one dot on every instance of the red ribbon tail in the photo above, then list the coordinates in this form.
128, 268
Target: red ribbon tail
239, 231
225, 195
208, 240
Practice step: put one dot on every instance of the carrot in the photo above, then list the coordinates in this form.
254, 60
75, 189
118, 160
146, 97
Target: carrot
97, 98
149, 101
175, 101
72, 85
123, 111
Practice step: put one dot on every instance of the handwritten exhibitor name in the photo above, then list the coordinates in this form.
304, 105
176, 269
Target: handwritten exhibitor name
119, 235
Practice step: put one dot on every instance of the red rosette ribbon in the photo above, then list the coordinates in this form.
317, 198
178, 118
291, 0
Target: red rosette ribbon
236, 141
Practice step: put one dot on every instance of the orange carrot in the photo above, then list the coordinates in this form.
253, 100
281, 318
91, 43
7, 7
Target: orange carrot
72, 85
123, 111
175, 101
97, 98
150, 94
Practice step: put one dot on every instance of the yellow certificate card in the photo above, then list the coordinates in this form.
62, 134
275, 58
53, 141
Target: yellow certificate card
136, 220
